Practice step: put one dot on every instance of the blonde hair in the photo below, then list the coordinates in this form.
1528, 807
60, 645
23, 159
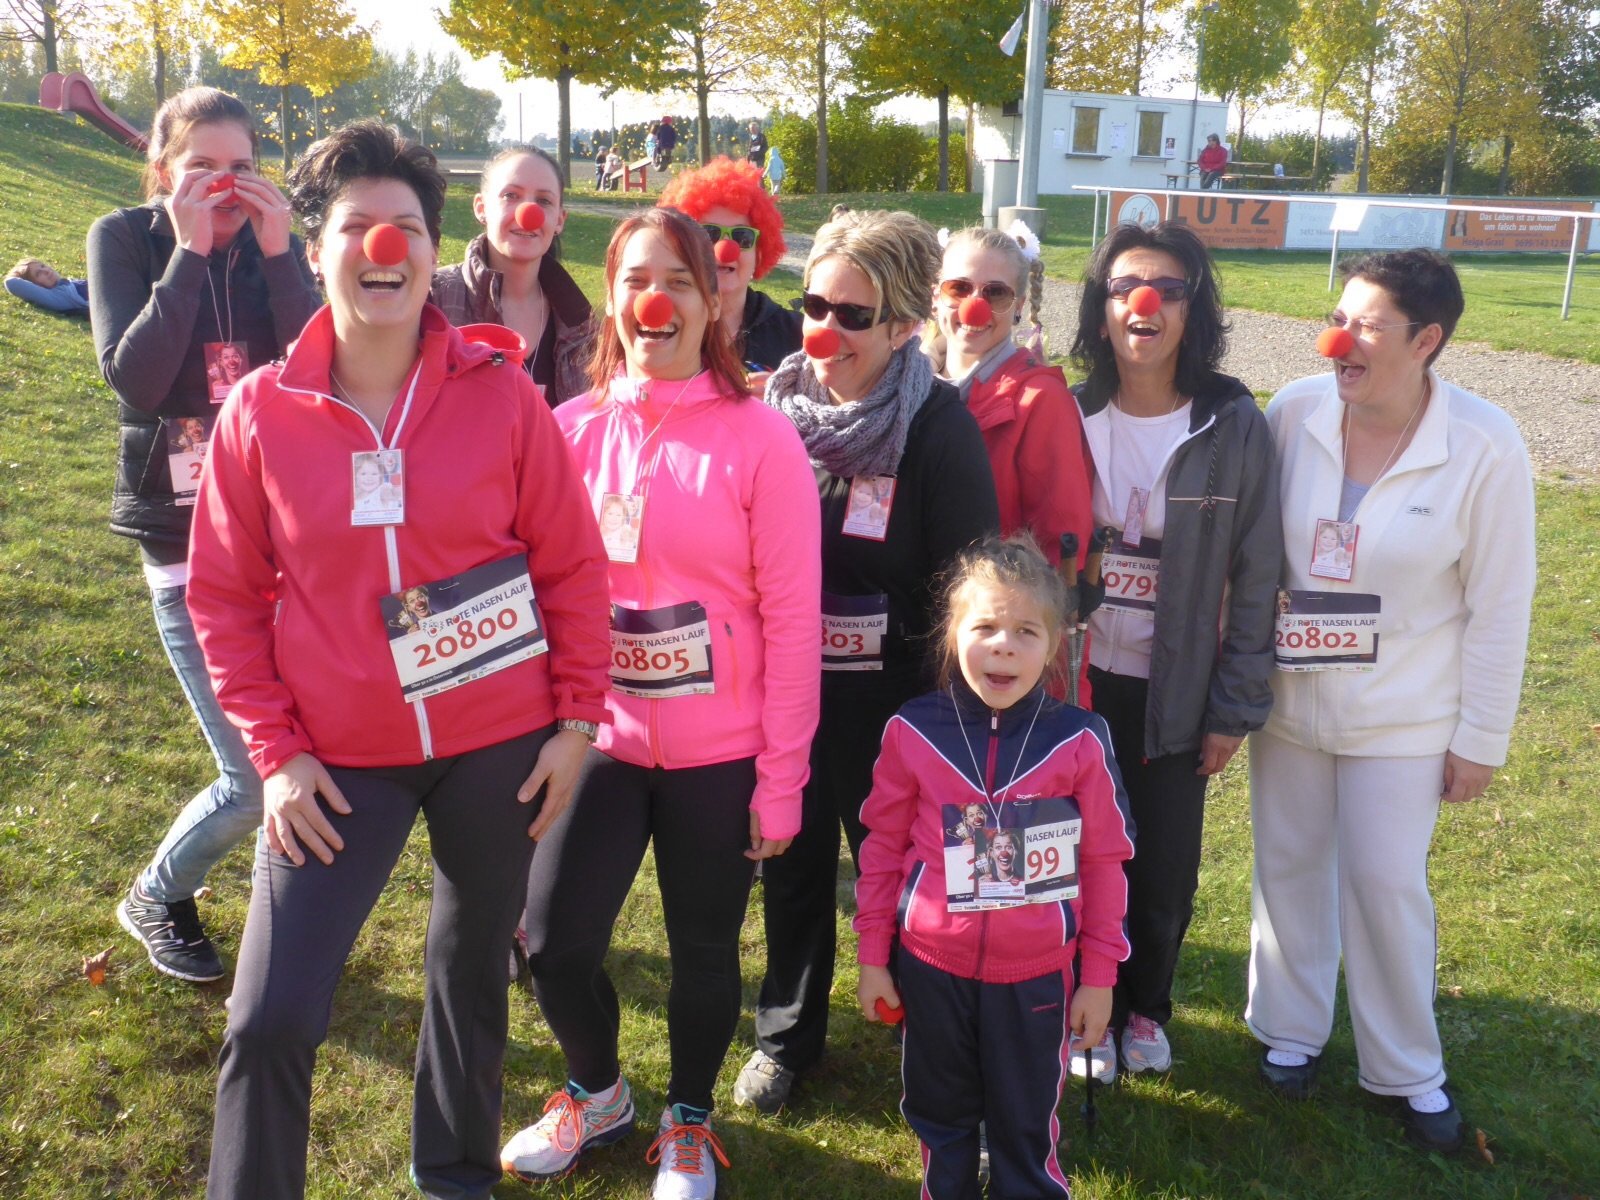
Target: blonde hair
897, 252
177, 119
25, 267
1029, 283
1015, 563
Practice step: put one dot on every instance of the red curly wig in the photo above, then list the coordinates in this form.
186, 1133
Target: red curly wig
725, 183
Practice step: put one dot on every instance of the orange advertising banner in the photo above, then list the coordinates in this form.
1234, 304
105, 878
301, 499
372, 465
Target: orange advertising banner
1510, 231
1221, 220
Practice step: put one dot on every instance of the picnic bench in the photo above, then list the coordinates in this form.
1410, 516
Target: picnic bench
627, 173
1241, 176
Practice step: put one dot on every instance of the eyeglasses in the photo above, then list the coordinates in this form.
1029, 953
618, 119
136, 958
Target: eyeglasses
854, 317
1363, 328
1000, 296
1123, 286
743, 236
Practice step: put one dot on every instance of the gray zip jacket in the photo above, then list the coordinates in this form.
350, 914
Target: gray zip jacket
1221, 558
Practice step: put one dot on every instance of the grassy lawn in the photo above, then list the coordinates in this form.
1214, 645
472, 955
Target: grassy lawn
106, 1092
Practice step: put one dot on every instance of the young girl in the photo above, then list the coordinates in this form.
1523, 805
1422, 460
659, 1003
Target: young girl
984, 960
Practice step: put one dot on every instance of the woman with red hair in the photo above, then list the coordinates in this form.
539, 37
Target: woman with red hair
727, 198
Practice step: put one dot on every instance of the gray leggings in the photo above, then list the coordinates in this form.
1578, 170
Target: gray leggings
302, 924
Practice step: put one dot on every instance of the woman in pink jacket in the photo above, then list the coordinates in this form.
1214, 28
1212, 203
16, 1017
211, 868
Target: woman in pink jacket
715, 612
441, 652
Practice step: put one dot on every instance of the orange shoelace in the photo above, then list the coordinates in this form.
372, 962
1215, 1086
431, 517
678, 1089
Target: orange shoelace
691, 1140
569, 1120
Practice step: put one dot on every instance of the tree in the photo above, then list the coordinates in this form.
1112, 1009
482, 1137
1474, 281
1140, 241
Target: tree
1334, 38
1466, 59
315, 44
131, 37
43, 22
802, 46
1359, 91
609, 43
938, 49
709, 60
1247, 48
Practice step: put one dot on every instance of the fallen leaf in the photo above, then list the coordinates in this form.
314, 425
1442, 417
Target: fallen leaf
1483, 1148
95, 966
202, 893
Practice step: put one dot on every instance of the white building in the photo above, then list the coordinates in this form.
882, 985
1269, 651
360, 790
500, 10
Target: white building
1095, 138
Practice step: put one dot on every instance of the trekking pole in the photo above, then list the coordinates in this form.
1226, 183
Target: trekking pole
1090, 1115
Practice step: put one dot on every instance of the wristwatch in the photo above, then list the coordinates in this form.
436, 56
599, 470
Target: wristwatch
588, 728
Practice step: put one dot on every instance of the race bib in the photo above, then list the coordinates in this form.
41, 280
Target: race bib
1326, 631
460, 628
1131, 575
1019, 852
186, 454
853, 629
661, 652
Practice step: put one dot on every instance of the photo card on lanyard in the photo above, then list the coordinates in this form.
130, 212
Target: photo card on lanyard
867, 511
226, 364
621, 519
378, 487
1133, 518
1333, 549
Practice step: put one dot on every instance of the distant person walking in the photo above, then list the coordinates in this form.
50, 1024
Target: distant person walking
666, 143
775, 171
1213, 161
758, 145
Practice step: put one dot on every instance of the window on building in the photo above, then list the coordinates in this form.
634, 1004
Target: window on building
1085, 130
1151, 127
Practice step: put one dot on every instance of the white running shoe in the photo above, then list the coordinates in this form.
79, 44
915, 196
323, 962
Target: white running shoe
1145, 1046
1103, 1057
573, 1121
688, 1153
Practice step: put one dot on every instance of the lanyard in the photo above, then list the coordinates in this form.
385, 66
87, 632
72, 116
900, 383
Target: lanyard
1016, 769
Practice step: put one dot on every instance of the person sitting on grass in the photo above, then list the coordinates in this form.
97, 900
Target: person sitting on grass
40, 284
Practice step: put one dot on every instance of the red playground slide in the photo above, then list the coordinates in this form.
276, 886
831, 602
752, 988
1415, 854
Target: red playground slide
75, 94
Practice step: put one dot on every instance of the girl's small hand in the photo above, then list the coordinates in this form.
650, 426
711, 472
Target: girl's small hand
189, 210
291, 815
876, 984
269, 213
1216, 750
557, 772
763, 847
1090, 1014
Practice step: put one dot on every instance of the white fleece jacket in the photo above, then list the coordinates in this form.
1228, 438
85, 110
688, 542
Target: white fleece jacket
1447, 540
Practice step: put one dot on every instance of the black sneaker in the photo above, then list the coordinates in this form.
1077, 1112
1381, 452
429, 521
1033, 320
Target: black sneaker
172, 934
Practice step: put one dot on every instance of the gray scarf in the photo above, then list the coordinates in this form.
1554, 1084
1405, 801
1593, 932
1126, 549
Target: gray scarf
866, 437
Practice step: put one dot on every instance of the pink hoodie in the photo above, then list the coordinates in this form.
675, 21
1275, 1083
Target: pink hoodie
731, 521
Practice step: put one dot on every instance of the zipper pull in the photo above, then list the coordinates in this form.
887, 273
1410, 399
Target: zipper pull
994, 722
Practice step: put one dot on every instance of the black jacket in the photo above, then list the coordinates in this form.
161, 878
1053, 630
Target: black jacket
944, 500
152, 311
768, 334
1221, 556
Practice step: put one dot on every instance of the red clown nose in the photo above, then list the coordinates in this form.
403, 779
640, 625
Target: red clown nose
1144, 301
1335, 343
821, 343
529, 217
975, 312
386, 245
727, 252
892, 1016
653, 309
222, 183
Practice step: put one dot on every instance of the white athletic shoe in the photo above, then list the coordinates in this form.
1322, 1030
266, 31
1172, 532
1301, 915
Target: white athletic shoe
1103, 1057
688, 1153
1145, 1046
573, 1121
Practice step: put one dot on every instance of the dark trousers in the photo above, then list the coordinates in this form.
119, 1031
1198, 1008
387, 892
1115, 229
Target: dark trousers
1167, 800
302, 924
799, 889
989, 1053
698, 819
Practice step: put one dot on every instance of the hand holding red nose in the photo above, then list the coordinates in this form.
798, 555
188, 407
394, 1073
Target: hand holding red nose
386, 245
222, 183
653, 309
529, 217
1335, 343
1144, 301
975, 312
890, 1016
821, 343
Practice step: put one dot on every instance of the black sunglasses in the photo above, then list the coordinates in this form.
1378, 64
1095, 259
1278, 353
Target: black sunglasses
1123, 286
854, 317
743, 236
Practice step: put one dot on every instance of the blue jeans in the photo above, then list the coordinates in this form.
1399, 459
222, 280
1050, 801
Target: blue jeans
226, 811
